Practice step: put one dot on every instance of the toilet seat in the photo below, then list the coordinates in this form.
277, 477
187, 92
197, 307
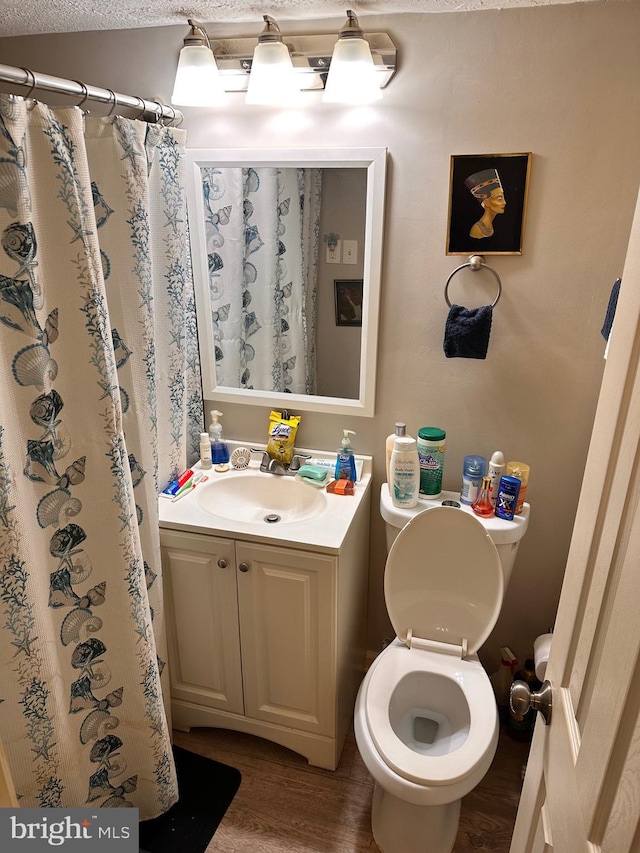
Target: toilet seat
398, 662
443, 588
443, 581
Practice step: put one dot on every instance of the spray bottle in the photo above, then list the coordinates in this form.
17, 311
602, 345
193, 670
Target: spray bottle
496, 470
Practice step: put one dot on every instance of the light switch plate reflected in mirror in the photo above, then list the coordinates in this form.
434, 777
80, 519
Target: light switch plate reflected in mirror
350, 252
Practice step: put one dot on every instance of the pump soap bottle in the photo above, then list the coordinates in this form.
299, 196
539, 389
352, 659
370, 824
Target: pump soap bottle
219, 449
345, 460
401, 429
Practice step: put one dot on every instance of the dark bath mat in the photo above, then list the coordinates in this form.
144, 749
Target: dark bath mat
206, 789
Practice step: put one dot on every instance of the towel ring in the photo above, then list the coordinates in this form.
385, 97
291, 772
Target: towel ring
476, 262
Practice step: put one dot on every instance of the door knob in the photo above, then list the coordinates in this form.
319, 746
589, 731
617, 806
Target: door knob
521, 699
222, 563
244, 567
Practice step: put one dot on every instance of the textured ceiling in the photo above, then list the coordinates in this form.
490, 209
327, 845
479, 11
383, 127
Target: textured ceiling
28, 17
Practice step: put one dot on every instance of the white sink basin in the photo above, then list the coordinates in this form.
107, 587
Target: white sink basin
257, 497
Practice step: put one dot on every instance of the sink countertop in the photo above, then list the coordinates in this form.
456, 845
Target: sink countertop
325, 533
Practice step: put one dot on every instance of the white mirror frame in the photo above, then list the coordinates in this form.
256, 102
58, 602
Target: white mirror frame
374, 160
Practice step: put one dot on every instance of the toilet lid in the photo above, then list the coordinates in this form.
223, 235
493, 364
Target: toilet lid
443, 579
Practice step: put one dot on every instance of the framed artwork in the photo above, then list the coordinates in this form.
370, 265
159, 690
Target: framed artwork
348, 295
487, 203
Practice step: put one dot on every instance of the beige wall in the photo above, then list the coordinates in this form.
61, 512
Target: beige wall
559, 81
344, 198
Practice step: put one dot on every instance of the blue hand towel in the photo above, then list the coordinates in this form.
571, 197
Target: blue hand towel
467, 330
605, 331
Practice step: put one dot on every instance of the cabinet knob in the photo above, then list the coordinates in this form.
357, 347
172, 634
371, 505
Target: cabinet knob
222, 563
244, 567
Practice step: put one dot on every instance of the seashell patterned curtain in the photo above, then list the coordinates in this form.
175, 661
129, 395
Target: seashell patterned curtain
261, 227
100, 407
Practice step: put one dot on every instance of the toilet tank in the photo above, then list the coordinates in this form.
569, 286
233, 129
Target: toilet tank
506, 535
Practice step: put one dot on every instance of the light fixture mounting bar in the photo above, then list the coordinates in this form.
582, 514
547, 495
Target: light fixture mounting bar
310, 55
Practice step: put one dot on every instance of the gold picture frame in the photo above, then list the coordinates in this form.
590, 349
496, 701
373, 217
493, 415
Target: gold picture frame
487, 203
348, 301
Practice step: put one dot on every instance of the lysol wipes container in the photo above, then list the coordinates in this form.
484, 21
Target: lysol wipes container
431, 445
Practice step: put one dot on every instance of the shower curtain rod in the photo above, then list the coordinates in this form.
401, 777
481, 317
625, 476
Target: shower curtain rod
151, 111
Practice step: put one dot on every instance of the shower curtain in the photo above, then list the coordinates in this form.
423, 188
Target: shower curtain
261, 231
100, 406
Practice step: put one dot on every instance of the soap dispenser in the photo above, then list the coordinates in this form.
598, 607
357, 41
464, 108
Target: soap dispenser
345, 460
219, 449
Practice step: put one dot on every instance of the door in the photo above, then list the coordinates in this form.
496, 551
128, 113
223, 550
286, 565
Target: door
287, 628
202, 620
582, 787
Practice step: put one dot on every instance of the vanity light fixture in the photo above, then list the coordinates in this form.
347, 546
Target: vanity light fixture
315, 59
272, 79
198, 82
352, 74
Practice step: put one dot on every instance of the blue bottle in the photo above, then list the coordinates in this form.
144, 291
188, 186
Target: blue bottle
345, 460
507, 499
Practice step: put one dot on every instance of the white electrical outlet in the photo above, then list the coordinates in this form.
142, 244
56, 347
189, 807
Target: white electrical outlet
333, 252
349, 251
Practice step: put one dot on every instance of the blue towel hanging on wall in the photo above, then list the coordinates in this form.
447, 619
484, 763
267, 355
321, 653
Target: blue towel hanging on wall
605, 331
466, 332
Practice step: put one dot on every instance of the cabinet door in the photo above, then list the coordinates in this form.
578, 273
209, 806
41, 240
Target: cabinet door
287, 626
202, 620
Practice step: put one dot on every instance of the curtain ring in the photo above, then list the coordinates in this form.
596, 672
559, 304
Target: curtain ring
85, 94
112, 100
165, 118
30, 81
144, 107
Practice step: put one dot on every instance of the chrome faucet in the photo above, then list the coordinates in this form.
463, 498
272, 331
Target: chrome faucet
275, 466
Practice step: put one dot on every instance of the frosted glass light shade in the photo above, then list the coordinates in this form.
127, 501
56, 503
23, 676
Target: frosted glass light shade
198, 82
352, 75
272, 80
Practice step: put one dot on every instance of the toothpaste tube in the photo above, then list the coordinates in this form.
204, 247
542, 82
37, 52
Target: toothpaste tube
173, 488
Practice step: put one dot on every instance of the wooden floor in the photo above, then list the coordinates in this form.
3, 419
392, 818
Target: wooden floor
285, 806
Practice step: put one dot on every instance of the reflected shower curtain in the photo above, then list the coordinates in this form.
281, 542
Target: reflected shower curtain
100, 406
261, 227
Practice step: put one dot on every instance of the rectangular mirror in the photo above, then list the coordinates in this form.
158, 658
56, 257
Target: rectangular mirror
263, 223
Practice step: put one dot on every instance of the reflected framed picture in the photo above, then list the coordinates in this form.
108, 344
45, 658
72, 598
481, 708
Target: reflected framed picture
348, 296
487, 203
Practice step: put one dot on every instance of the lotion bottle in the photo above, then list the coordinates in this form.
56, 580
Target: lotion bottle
404, 472
205, 451
521, 471
401, 429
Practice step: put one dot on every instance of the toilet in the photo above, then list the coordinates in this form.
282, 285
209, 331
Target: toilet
426, 720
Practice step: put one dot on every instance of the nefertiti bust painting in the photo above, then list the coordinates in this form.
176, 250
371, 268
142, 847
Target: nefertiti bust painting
487, 203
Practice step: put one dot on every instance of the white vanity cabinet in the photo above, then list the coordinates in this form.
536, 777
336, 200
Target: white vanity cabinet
265, 638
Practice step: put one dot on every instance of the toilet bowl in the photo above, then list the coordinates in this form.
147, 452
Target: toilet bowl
426, 721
